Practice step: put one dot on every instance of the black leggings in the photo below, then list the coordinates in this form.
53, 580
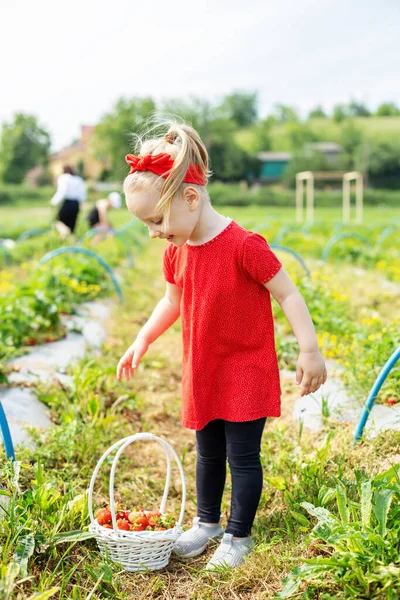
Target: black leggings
241, 443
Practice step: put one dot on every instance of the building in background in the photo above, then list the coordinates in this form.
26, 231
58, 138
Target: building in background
330, 150
273, 165
80, 156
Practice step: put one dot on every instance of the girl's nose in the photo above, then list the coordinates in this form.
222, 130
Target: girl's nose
153, 233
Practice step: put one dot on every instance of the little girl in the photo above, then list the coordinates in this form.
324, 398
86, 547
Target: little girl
219, 278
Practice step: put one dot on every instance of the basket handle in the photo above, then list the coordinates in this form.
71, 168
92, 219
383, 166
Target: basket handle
122, 444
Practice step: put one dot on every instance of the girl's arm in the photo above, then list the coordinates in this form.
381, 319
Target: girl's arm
310, 367
164, 315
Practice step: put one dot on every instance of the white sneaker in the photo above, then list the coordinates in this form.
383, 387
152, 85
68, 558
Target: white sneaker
195, 540
230, 552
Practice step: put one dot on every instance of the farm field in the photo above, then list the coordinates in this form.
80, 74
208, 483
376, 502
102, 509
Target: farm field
17, 219
329, 515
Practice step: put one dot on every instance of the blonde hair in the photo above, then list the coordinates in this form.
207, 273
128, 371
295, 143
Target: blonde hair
185, 147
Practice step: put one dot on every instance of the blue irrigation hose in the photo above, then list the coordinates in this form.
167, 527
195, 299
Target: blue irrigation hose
128, 225
132, 231
339, 236
287, 228
94, 231
293, 253
133, 224
385, 233
125, 243
31, 233
6, 254
374, 392
5, 430
114, 233
87, 252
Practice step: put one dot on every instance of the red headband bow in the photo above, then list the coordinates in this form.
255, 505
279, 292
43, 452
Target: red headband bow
161, 164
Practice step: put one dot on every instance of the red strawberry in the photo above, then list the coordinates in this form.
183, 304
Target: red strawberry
107, 515
138, 521
108, 526
391, 401
136, 515
30, 341
154, 520
123, 524
138, 527
100, 516
103, 516
141, 521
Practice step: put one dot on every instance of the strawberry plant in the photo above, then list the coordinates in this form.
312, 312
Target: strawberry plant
360, 546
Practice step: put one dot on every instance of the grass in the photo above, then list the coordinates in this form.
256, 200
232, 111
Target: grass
298, 464
26, 217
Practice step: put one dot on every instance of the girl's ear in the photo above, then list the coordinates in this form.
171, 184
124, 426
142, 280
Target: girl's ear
191, 197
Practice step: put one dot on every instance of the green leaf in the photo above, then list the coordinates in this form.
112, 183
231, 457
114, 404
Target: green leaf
366, 503
300, 518
94, 407
24, 551
323, 531
77, 505
277, 482
325, 495
71, 536
304, 572
322, 514
44, 595
387, 476
341, 499
7, 580
383, 499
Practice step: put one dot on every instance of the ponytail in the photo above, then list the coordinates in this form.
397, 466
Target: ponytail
185, 148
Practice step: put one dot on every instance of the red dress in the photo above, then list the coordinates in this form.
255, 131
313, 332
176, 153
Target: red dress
229, 363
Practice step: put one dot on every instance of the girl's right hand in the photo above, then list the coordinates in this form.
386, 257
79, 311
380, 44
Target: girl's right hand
131, 358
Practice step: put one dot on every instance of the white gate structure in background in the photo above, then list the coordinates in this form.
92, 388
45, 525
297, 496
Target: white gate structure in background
308, 178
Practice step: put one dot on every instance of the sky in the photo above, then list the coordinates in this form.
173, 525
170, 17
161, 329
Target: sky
68, 63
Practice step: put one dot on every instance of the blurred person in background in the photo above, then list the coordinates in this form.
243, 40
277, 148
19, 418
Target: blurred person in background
98, 216
71, 192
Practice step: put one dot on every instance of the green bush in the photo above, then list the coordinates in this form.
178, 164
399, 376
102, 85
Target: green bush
235, 195
25, 195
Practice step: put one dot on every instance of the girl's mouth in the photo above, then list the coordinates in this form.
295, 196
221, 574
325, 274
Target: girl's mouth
169, 238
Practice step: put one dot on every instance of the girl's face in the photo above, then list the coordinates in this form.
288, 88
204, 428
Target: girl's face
183, 218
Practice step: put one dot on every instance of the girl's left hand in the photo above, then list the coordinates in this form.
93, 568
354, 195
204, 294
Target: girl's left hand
310, 372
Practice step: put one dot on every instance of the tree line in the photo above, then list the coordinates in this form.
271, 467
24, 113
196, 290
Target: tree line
233, 132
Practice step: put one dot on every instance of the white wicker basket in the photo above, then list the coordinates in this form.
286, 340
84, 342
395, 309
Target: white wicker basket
137, 550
